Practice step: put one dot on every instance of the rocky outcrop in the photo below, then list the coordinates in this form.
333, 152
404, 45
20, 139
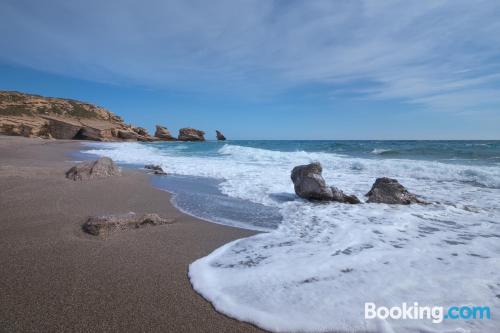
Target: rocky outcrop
191, 134
63, 128
46, 117
310, 184
103, 225
156, 169
24, 126
127, 135
140, 131
220, 136
102, 168
390, 191
339, 196
163, 134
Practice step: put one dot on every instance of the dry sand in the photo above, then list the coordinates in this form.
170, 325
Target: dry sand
54, 278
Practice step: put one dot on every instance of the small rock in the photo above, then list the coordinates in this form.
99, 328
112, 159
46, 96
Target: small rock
101, 225
220, 136
340, 196
390, 191
157, 170
102, 168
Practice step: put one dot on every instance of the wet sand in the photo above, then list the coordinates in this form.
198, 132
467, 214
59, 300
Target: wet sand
55, 278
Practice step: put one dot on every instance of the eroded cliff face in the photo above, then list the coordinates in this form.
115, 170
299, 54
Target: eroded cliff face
48, 117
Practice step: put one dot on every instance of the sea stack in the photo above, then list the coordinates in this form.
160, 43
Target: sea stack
191, 134
220, 136
163, 133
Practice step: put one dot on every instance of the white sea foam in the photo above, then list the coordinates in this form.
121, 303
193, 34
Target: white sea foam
379, 151
316, 271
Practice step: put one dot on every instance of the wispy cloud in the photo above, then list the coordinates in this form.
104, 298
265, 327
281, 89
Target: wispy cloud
444, 55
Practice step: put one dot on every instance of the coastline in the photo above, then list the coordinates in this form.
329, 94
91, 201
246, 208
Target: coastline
55, 278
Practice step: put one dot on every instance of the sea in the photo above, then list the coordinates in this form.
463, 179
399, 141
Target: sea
313, 266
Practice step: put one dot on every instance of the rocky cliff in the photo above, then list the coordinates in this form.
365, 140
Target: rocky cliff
47, 117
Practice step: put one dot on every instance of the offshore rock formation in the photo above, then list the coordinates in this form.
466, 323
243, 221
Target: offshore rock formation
191, 134
162, 133
102, 168
220, 136
47, 117
103, 225
310, 184
390, 191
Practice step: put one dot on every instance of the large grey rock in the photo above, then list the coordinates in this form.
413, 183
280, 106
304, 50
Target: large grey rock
102, 168
310, 184
103, 225
390, 191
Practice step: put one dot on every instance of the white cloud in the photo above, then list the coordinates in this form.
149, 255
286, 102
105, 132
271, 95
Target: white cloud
434, 53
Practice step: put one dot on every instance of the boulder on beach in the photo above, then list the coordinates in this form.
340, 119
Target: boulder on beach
191, 134
220, 136
163, 133
310, 184
102, 225
101, 168
390, 191
156, 169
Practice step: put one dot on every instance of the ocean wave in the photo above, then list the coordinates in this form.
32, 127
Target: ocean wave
378, 151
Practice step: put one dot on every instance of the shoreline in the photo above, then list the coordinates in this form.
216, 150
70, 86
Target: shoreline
163, 183
56, 278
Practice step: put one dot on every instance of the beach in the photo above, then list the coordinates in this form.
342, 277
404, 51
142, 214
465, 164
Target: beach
55, 278
311, 269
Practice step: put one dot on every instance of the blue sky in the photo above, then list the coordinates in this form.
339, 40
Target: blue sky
266, 69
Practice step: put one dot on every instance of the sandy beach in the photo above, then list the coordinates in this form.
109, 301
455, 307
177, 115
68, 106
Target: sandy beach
55, 278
